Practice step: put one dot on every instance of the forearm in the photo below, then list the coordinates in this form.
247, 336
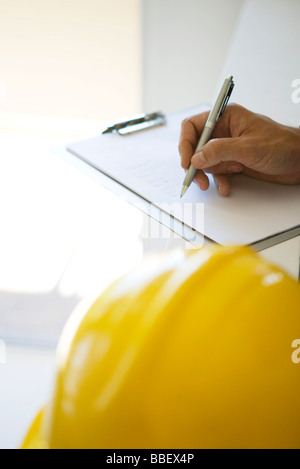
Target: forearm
290, 155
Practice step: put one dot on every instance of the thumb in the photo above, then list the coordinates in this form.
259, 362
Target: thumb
218, 150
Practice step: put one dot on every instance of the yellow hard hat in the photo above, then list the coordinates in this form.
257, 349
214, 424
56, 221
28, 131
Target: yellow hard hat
192, 349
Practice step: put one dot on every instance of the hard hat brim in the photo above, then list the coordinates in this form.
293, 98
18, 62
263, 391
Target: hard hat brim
34, 438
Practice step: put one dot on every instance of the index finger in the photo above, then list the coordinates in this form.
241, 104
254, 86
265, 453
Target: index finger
191, 129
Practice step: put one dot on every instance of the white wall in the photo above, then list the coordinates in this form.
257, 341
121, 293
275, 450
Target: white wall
70, 58
265, 58
185, 43
93, 59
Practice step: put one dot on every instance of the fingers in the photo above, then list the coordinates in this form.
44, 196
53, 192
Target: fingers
231, 124
225, 167
191, 130
222, 184
217, 151
221, 181
221, 174
201, 180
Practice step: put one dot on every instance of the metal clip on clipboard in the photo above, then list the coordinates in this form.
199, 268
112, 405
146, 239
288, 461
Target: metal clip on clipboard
137, 123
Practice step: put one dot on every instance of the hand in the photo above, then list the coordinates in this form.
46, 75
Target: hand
242, 142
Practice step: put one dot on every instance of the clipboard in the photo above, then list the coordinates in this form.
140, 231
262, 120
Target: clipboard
142, 157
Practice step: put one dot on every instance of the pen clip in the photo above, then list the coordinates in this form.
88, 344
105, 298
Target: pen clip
226, 99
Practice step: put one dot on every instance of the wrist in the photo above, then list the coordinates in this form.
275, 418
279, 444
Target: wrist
295, 154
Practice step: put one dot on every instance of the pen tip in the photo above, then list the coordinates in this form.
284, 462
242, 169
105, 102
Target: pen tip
183, 191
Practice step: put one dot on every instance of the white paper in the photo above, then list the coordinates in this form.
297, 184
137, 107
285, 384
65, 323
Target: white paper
148, 163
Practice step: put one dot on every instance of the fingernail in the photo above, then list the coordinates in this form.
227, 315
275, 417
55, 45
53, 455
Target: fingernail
200, 158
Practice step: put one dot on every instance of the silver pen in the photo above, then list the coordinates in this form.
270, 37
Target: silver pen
214, 115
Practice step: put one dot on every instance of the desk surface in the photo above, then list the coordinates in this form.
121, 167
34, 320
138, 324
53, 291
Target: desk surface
26, 382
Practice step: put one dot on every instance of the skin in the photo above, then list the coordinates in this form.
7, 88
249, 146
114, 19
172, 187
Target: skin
242, 142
